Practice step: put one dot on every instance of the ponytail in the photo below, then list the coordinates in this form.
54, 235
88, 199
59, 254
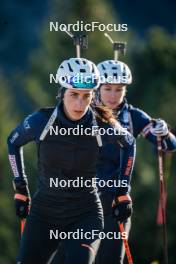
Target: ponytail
104, 114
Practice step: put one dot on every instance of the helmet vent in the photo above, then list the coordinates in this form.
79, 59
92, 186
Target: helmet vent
93, 70
114, 68
124, 71
82, 70
70, 68
103, 67
77, 61
106, 76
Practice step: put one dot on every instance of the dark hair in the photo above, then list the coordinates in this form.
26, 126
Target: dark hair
104, 114
60, 94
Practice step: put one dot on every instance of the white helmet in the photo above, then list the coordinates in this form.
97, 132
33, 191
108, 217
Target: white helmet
78, 73
115, 72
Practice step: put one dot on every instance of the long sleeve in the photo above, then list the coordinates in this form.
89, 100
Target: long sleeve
142, 124
25, 132
125, 139
127, 160
127, 149
116, 134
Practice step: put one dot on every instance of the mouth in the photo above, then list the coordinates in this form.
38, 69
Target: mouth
77, 112
112, 103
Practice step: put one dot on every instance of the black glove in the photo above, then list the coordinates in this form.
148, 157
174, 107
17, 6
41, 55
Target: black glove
122, 208
22, 201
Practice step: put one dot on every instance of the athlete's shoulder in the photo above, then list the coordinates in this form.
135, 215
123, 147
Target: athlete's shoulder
138, 113
41, 113
45, 111
37, 119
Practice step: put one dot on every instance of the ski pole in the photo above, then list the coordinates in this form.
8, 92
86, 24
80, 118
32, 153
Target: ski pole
118, 47
80, 41
162, 200
23, 222
125, 241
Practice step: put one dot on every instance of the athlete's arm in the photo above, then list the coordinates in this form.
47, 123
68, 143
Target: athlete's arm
25, 132
143, 125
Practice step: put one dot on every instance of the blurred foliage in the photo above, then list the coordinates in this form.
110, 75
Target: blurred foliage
153, 63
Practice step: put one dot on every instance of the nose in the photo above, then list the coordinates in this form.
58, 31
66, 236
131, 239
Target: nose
113, 94
80, 103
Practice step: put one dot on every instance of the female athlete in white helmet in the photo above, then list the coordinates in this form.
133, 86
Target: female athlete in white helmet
115, 76
59, 209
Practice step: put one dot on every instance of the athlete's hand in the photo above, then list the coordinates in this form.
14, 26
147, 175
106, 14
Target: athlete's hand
122, 208
22, 203
159, 128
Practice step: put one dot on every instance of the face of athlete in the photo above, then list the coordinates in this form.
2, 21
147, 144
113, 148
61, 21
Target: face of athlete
112, 95
76, 103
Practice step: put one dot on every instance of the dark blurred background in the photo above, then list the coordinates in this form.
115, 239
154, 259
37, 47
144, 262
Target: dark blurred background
29, 52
